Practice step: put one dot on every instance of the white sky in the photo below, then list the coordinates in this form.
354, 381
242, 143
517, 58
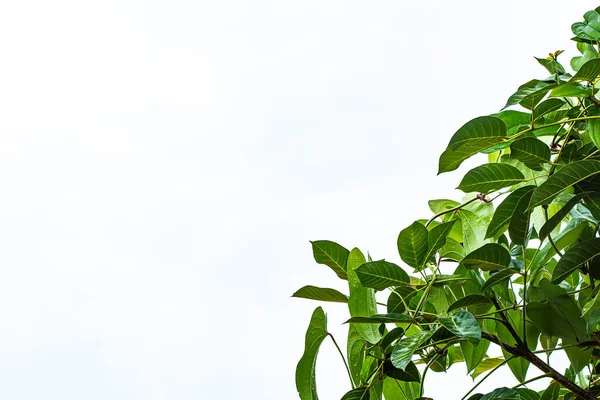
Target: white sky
165, 165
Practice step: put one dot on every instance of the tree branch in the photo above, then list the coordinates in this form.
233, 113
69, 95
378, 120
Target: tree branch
528, 355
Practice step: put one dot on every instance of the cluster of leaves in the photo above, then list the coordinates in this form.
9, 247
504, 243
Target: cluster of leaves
514, 265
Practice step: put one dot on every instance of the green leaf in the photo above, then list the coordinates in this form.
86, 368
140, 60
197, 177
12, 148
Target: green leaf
470, 300
398, 299
552, 392
587, 53
412, 244
476, 135
362, 302
452, 250
356, 352
498, 277
410, 374
588, 29
551, 65
555, 220
485, 365
331, 254
305, 371
396, 390
530, 151
518, 227
380, 318
390, 338
574, 258
489, 177
437, 239
554, 312
528, 394
474, 355
593, 319
473, 230
404, 350
572, 89
380, 275
463, 324
562, 179
503, 393
357, 394
530, 93
593, 126
489, 257
588, 71
546, 107
441, 205
322, 294
518, 366
506, 209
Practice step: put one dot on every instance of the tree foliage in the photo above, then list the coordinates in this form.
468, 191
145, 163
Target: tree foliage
515, 264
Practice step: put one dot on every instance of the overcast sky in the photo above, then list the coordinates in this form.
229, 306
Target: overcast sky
165, 164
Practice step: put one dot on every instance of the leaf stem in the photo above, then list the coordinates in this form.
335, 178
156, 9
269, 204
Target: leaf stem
546, 375
487, 376
343, 358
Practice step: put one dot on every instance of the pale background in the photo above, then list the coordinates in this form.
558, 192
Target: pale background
165, 164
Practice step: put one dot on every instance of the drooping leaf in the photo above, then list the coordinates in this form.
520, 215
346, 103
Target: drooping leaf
305, 371
331, 254
551, 392
518, 227
412, 244
486, 364
506, 209
357, 394
588, 72
463, 324
554, 312
470, 300
380, 275
518, 366
390, 338
530, 151
322, 294
404, 350
362, 302
490, 177
474, 355
474, 136
574, 258
409, 374
565, 177
489, 257
355, 349
397, 390
380, 318
498, 277
593, 126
